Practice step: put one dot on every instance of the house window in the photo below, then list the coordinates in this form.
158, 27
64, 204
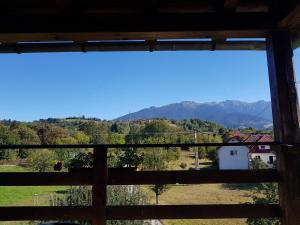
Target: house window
271, 159
233, 152
262, 147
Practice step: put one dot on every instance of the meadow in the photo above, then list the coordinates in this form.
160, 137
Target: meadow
175, 194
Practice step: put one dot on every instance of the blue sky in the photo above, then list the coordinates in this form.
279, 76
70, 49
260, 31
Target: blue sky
108, 85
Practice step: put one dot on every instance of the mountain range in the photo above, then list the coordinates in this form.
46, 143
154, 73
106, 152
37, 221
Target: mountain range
230, 113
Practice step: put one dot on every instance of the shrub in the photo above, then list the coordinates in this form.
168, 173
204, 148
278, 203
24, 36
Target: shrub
183, 165
116, 195
42, 160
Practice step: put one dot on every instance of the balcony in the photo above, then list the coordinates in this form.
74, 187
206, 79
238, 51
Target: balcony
100, 176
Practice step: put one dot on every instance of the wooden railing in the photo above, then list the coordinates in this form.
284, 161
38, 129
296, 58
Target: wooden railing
100, 176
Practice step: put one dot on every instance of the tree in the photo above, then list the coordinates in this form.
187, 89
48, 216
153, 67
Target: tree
50, 134
7, 138
26, 136
159, 189
266, 193
42, 160
130, 158
81, 138
98, 132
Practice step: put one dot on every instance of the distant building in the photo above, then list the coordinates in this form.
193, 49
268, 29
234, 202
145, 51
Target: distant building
240, 157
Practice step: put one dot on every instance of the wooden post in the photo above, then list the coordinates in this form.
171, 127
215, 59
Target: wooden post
285, 111
99, 186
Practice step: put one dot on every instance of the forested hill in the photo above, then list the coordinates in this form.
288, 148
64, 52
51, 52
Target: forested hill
82, 131
230, 113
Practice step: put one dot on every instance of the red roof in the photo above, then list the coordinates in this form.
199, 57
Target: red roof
253, 138
259, 138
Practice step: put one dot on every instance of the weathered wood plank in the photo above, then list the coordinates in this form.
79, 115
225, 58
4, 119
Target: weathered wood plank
285, 108
45, 179
87, 36
100, 175
45, 213
285, 111
291, 21
130, 46
125, 177
141, 212
192, 211
191, 177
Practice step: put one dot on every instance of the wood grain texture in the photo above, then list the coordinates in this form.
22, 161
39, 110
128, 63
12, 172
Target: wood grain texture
130, 46
141, 212
192, 211
100, 176
125, 177
285, 111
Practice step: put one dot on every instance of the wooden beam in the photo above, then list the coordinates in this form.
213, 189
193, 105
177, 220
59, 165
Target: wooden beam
45, 178
123, 177
45, 213
100, 174
131, 46
231, 5
285, 111
284, 96
161, 22
291, 22
192, 211
141, 212
103, 36
117, 6
135, 26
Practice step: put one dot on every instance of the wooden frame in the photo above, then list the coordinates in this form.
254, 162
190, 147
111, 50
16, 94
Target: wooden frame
100, 176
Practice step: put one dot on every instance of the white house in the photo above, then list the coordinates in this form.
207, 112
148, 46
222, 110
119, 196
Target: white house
233, 157
239, 157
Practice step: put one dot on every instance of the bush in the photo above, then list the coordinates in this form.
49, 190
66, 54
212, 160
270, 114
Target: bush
257, 163
266, 193
183, 165
81, 160
42, 160
116, 195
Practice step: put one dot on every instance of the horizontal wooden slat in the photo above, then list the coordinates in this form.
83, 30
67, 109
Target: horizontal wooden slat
192, 211
117, 6
126, 177
134, 26
142, 212
191, 177
140, 22
45, 213
88, 36
45, 179
101, 146
131, 46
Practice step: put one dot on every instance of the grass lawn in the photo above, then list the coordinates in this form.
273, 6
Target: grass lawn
200, 194
25, 196
176, 194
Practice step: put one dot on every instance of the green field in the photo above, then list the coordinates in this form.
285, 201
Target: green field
25, 196
201, 194
176, 194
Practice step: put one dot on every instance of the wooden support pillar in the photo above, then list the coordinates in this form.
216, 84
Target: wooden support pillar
285, 111
100, 174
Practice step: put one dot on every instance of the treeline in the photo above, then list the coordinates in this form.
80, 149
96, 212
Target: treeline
91, 131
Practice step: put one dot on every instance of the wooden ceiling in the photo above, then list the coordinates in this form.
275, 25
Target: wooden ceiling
92, 25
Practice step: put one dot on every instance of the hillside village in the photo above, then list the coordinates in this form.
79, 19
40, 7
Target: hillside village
241, 157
